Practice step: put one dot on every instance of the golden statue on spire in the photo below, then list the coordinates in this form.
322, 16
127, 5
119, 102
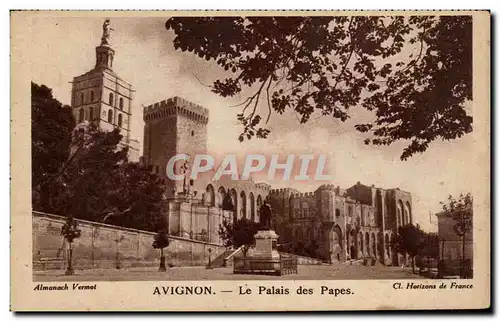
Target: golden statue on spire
106, 32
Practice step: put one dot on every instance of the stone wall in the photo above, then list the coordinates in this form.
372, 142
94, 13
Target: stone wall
107, 246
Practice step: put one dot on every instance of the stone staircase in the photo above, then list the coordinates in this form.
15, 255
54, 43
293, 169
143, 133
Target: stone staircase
50, 259
225, 259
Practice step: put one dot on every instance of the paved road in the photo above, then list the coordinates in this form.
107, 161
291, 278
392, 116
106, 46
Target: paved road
305, 272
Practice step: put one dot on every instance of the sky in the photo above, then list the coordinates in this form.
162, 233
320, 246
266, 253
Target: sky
63, 48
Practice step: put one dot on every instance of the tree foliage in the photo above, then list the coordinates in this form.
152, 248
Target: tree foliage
161, 240
414, 73
460, 210
430, 246
227, 203
101, 185
241, 232
51, 126
92, 178
70, 230
410, 239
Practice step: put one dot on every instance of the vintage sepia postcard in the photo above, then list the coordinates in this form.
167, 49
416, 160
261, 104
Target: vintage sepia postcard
250, 161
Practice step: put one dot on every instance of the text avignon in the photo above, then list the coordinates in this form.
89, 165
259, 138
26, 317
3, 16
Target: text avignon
183, 290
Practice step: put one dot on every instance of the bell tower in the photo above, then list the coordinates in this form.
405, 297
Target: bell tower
104, 57
104, 53
100, 96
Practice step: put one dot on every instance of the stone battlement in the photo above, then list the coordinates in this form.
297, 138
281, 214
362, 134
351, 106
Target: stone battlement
263, 186
279, 191
176, 106
326, 187
303, 195
294, 193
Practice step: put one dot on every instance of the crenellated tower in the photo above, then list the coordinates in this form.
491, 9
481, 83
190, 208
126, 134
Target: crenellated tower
173, 126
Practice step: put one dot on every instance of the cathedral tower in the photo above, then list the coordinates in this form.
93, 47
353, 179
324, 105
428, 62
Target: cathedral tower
101, 97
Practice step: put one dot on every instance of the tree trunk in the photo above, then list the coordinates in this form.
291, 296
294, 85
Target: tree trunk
163, 267
244, 250
462, 274
413, 264
69, 270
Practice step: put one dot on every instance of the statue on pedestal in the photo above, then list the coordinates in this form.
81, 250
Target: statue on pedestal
265, 216
106, 32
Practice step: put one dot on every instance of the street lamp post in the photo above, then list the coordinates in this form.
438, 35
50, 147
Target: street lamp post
69, 270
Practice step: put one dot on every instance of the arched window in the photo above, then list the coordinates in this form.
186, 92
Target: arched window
252, 207
259, 204
243, 202
81, 99
374, 245
234, 200
210, 195
110, 116
111, 99
300, 235
401, 219
337, 213
121, 103
378, 208
408, 213
91, 113
305, 209
81, 115
221, 194
120, 120
91, 96
367, 241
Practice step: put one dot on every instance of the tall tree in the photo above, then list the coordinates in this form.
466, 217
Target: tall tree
414, 73
90, 176
460, 210
410, 239
240, 233
51, 126
101, 185
70, 231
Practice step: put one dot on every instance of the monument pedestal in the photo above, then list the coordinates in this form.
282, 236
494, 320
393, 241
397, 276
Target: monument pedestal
264, 259
266, 244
